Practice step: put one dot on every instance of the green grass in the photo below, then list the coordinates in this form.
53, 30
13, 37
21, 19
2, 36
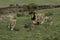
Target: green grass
37, 33
40, 32
4, 3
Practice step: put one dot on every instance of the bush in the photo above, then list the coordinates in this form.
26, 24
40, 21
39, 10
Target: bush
48, 14
32, 7
46, 39
18, 15
11, 5
56, 38
32, 12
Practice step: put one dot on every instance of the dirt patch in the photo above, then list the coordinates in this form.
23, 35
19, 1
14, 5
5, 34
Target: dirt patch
24, 8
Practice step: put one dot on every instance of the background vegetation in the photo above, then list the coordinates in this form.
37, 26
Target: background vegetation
41, 32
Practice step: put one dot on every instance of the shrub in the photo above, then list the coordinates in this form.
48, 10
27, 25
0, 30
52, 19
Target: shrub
32, 7
32, 12
11, 5
56, 38
49, 14
18, 15
46, 39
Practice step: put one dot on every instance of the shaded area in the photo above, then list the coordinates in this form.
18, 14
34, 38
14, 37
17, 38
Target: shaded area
25, 8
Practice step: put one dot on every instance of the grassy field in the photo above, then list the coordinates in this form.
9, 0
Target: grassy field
41, 32
4, 3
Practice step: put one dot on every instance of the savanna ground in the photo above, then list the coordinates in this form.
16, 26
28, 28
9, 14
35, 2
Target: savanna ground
41, 32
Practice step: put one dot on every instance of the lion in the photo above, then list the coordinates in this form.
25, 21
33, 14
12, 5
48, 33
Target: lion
12, 23
10, 18
40, 18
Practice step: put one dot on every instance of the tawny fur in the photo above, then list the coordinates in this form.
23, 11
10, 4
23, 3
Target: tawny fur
10, 19
43, 19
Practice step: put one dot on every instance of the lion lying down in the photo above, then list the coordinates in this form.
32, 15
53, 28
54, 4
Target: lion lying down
40, 19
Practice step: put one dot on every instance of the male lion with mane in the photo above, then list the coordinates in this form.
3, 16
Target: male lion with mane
40, 18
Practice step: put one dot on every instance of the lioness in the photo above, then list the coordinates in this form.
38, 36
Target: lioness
35, 17
10, 19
